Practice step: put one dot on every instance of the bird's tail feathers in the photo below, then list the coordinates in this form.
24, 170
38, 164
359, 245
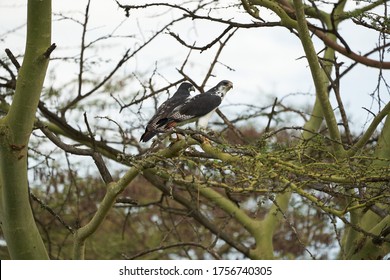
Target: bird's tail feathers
147, 136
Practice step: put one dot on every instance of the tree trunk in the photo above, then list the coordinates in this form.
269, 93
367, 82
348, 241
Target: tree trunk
17, 220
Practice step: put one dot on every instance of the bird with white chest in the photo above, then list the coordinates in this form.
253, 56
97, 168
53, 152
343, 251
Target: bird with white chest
198, 108
184, 109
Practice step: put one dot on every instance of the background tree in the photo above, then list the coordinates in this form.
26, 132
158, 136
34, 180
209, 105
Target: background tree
300, 185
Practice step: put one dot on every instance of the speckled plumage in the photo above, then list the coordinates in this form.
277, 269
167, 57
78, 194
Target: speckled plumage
180, 97
198, 108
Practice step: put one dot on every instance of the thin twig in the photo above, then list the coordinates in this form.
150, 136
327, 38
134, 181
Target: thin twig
271, 115
52, 212
291, 226
12, 58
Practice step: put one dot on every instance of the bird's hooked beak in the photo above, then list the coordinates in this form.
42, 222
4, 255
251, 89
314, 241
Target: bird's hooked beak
192, 89
227, 85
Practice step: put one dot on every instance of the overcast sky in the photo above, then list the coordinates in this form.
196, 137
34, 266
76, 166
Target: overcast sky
265, 60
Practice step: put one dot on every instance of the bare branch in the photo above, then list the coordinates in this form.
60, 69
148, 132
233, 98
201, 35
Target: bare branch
13, 59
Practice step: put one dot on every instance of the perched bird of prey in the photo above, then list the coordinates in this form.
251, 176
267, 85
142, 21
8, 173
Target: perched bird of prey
179, 98
198, 108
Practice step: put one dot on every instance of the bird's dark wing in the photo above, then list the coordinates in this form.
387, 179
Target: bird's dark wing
193, 108
200, 105
162, 112
166, 108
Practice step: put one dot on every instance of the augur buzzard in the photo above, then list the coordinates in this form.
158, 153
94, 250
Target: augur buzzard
198, 108
180, 97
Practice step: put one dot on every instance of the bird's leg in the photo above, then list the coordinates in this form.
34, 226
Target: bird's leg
200, 136
178, 132
205, 139
172, 138
178, 138
204, 131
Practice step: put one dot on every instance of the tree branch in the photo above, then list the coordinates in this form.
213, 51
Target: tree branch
319, 77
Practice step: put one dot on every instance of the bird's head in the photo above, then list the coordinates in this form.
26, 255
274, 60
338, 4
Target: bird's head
186, 87
224, 86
